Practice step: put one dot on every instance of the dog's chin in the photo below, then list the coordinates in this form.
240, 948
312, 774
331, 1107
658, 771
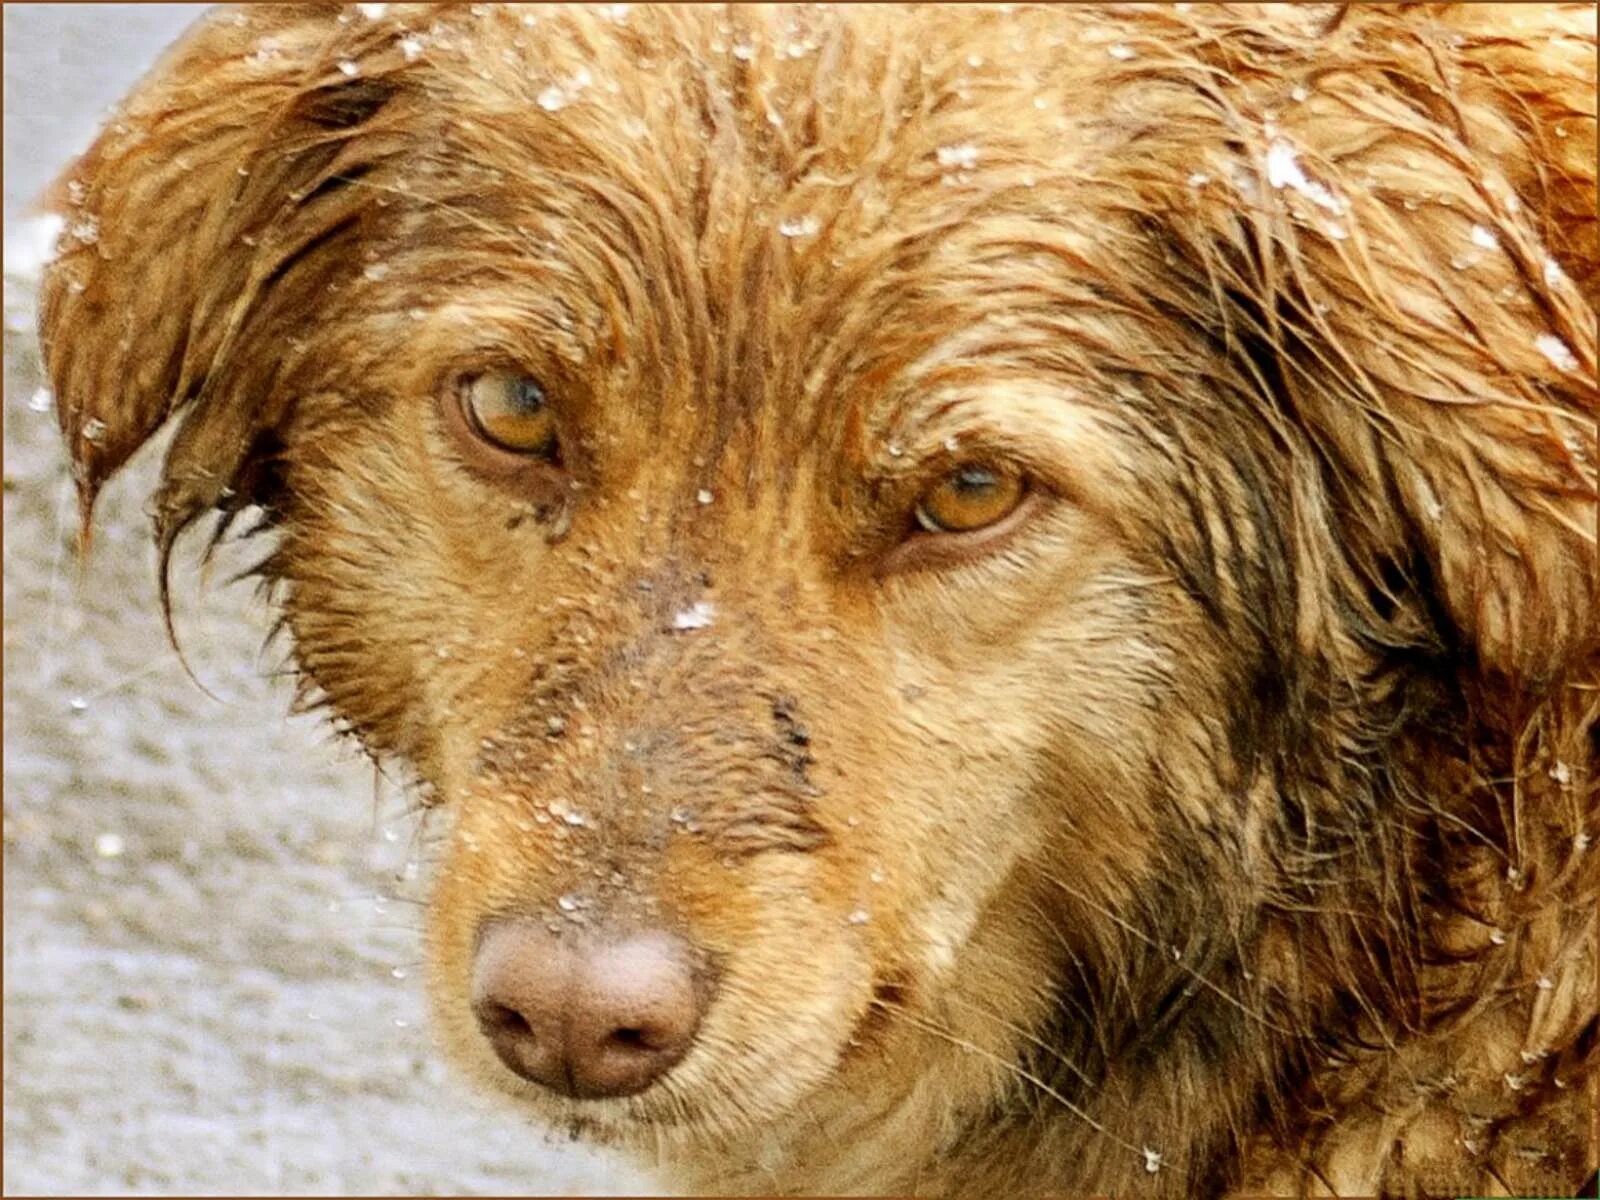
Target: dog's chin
634, 1125
671, 1113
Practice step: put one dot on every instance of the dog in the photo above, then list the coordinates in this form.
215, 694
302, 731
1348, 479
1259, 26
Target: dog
981, 601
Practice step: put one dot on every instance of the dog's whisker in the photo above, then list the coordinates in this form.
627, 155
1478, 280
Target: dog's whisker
1054, 1053
1199, 977
926, 1025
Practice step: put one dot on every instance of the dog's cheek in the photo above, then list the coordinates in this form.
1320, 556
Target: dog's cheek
345, 535
408, 594
1103, 744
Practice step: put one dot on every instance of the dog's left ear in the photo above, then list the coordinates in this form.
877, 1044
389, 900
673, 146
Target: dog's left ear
1406, 258
215, 180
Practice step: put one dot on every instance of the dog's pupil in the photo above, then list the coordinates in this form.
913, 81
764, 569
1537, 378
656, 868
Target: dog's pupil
974, 481
527, 397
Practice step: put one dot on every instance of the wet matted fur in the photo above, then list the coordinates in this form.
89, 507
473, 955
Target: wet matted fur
1226, 824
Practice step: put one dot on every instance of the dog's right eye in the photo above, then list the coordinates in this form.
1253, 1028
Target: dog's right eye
510, 412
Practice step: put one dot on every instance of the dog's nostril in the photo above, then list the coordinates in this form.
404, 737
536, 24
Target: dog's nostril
593, 1019
504, 1021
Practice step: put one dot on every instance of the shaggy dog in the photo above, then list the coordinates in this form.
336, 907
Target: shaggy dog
984, 601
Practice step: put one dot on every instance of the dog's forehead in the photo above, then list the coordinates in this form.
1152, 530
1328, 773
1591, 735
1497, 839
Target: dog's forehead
783, 209
717, 113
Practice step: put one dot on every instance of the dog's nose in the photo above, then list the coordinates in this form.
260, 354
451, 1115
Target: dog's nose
586, 1019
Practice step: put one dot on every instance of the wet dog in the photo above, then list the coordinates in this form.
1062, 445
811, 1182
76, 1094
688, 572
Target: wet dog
985, 600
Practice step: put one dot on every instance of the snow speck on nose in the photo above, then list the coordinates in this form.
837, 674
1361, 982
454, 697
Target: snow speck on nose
699, 615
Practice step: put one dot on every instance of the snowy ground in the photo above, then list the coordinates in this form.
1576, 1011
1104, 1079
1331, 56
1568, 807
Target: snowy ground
209, 965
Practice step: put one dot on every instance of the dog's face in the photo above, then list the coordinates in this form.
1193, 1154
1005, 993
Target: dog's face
753, 560
797, 492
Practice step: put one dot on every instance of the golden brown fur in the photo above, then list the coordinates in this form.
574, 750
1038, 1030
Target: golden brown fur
1228, 828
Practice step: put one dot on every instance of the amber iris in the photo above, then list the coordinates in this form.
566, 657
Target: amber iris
970, 497
510, 411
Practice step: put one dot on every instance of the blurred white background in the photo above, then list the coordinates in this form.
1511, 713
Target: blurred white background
65, 64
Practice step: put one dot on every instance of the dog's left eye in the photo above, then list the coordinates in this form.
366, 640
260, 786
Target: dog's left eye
510, 411
969, 498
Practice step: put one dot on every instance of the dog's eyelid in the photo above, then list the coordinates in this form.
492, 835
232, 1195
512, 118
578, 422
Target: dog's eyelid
947, 502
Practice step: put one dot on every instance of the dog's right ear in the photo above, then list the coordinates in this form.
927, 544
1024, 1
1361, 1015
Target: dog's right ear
219, 172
